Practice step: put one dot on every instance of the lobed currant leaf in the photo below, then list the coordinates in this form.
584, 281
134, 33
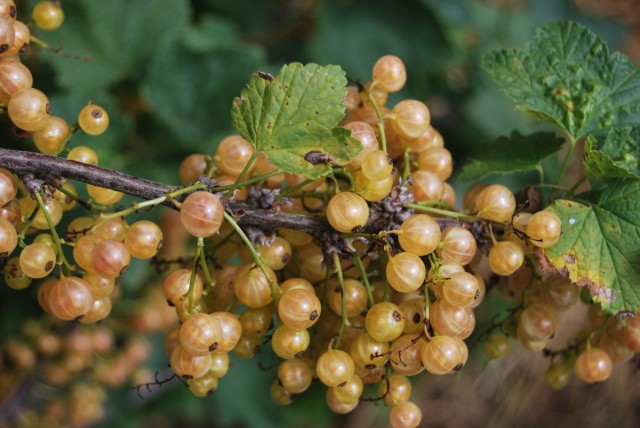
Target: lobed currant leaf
566, 76
618, 157
293, 118
211, 33
507, 155
88, 30
599, 245
188, 109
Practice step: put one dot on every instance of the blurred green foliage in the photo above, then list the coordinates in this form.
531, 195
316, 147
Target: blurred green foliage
167, 70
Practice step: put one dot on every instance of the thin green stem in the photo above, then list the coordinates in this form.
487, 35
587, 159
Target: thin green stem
565, 164
238, 181
295, 188
336, 185
347, 174
247, 166
194, 272
382, 264
60, 52
211, 167
491, 235
434, 262
365, 280
383, 137
345, 320
453, 214
384, 233
205, 268
325, 287
238, 185
275, 290
437, 203
25, 227
351, 235
407, 164
65, 143
54, 234
427, 301
219, 243
79, 200
573, 189
231, 304
595, 331
39, 42
151, 203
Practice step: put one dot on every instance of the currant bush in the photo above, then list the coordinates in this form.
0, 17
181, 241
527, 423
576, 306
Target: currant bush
326, 231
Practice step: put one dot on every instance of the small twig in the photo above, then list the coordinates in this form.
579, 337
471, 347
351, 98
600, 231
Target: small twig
58, 51
381, 397
156, 382
496, 323
54, 234
390, 352
163, 264
194, 273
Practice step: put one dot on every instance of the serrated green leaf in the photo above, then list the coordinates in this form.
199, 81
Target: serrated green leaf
565, 76
507, 155
599, 246
619, 156
293, 118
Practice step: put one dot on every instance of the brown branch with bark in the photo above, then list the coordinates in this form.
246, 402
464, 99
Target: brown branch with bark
48, 167
52, 168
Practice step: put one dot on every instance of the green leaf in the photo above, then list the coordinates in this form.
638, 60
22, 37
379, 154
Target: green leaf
565, 76
343, 35
599, 246
143, 33
189, 92
293, 118
507, 155
210, 33
619, 156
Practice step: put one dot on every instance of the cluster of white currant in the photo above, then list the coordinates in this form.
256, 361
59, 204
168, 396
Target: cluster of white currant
402, 302
371, 333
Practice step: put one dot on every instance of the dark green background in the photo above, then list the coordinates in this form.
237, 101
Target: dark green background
167, 70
